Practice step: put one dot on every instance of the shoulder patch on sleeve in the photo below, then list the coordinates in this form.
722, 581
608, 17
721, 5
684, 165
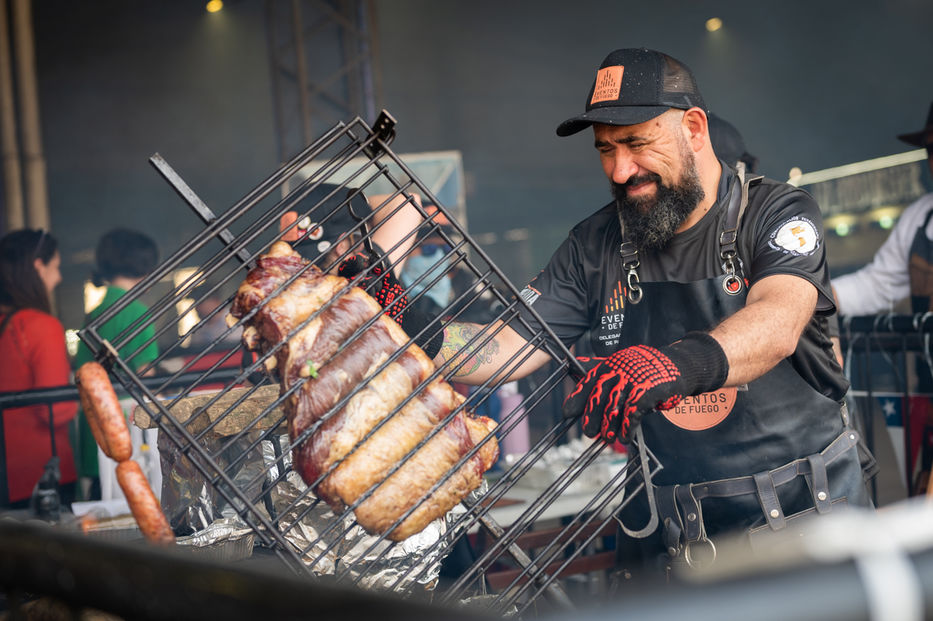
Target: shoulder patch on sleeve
530, 295
797, 236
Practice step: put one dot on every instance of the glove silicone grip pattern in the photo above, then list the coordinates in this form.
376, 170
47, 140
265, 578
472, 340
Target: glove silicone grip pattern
616, 391
388, 290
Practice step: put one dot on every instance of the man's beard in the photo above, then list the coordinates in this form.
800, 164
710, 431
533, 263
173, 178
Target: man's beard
651, 221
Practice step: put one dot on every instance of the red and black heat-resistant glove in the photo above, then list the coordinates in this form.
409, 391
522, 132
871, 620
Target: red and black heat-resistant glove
617, 391
388, 290
379, 283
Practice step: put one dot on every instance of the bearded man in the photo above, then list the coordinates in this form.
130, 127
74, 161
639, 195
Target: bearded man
705, 295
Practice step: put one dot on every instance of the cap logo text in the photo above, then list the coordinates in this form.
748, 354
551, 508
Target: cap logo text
608, 84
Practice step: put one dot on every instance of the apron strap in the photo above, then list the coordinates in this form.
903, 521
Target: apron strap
819, 483
671, 522
770, 504
729, 236
692, 512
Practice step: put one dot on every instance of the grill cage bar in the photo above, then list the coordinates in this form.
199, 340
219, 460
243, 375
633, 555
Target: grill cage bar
203, 463
601, 501
246, 231
466, 457
210, 232
498, 489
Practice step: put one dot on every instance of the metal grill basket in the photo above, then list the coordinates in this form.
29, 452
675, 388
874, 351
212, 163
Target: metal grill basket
219, 464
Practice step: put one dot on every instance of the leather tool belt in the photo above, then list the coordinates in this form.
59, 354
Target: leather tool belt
681, 510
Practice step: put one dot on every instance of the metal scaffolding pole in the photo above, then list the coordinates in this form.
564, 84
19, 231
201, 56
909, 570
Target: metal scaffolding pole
321, 54
37, 196
13, 217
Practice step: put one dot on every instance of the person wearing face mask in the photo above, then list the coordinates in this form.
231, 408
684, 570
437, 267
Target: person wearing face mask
32, 355
428, 258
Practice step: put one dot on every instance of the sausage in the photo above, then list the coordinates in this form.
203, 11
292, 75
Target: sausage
91, 416
143, 504
112, 434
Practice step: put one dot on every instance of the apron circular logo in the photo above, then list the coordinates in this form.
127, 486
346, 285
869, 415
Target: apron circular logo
702, 411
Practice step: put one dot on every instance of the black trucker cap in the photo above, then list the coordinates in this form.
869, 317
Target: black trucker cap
635, 85
333, 211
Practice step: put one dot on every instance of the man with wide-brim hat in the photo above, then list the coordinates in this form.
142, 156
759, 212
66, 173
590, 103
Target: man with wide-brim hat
924, 137
902, 268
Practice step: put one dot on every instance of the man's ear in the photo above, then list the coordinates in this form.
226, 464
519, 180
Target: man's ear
696, 128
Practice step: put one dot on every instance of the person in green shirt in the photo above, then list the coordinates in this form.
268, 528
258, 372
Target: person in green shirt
123, 258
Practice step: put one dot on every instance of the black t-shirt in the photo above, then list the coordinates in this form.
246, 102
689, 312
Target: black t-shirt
582, 287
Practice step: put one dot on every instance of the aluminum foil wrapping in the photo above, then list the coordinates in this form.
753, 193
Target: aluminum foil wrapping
190, 503
340, 547
227, 539
328, 544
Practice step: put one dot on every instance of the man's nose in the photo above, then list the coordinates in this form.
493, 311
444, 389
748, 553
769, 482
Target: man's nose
623, 168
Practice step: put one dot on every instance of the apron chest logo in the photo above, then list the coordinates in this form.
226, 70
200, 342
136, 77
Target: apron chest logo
702, 411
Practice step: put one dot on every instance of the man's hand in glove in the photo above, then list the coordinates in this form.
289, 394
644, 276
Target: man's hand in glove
379, 283
617, 391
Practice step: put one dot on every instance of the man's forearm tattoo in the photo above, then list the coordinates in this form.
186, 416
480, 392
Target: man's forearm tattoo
456, 337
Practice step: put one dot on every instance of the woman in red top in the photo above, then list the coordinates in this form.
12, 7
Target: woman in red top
32, 355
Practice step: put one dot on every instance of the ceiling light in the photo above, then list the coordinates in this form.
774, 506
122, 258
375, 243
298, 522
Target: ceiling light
885, 217
713, 24
214, 5
841, 224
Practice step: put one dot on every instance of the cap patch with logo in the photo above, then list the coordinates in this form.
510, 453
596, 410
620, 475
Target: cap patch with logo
608, 84
797, 236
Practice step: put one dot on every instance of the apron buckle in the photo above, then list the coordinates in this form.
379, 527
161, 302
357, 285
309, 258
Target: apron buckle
732, 284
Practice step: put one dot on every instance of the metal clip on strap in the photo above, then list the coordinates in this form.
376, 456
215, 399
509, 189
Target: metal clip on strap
729, 236
630, 264
695, 538
629, 252
691, 511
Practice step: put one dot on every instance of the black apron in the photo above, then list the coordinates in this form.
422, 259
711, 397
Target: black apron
920, 269
736, 459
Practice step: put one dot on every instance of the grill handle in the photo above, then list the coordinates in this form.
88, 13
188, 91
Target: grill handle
653, 519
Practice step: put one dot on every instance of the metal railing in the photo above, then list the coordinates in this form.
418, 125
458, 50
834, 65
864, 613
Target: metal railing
50, 396
889, 357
